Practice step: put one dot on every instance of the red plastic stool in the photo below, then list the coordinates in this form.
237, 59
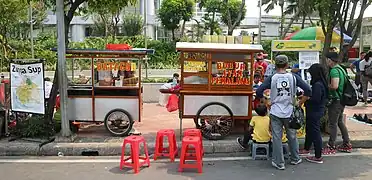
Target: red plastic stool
191, 141
171, 151
133, 160
196, 133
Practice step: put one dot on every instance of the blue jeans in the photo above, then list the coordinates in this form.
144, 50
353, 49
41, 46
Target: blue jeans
277, 133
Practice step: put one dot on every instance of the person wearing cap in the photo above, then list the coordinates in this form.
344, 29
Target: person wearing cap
282, 87
260, 63
335, 108
365, 79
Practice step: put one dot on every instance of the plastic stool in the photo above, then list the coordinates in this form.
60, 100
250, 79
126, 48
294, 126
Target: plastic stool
285, 150
196, 133
191, 141
171, 151
256, 146
133, 160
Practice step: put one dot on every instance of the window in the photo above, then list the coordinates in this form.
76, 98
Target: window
118, 73
79, 71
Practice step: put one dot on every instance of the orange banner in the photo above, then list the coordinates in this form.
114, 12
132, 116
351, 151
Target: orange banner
122, 66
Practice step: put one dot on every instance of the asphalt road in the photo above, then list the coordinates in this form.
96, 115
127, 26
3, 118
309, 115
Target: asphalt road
350, 167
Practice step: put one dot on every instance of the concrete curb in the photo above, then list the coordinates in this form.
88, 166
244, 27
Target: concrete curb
114, 149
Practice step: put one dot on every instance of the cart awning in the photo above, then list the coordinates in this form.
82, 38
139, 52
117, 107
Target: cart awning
185, 46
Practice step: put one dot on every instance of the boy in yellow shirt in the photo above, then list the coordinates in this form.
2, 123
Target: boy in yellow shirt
259, 129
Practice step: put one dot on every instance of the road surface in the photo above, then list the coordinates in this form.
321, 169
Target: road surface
355, 166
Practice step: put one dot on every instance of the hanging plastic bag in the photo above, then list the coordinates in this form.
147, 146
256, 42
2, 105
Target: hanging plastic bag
172, 103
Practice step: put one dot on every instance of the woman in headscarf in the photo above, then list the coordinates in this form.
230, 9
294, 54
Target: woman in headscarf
315, 108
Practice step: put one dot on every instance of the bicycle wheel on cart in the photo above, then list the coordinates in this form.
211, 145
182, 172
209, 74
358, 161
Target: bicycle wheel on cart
215, 120
118, 122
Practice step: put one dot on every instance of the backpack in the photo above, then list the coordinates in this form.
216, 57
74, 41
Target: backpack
350, 95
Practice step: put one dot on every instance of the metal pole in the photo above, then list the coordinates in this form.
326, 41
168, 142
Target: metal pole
259, 22
31, 32
145, 34
65, 124
361, 47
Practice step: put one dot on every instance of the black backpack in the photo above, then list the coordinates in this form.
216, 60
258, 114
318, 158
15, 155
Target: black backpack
350, 95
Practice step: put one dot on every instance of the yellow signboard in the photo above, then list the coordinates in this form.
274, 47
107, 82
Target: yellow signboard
195, 66
295, 45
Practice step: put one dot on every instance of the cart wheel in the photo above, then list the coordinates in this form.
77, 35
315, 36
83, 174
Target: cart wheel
118, 122
215, 120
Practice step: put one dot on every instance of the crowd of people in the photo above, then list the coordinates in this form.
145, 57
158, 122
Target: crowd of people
325, 91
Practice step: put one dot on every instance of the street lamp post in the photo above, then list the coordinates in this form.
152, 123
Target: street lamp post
259, 22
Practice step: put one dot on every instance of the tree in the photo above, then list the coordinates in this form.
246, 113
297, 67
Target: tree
271, 5
171, 13
112, 8
349, 24
187, 13
13, 13
298, 9
102, 25
212, 7
132, 24
232, 13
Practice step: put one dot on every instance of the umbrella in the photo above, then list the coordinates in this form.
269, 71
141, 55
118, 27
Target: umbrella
316, 33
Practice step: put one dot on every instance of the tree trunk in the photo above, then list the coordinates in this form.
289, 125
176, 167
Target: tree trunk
183, 28
327, 43
230, 31
212, 24
295, 17
311, 21
303, 21
173, 36
282, 20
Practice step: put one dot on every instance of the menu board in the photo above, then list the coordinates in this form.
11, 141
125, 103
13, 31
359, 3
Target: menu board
195, 66
231, 73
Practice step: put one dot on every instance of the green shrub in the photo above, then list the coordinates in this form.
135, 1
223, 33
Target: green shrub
155, 80
165, 56
34, 126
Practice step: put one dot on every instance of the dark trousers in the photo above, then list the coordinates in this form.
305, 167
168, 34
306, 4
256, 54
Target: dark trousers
358, 81
313, 134
247, 136
335, 118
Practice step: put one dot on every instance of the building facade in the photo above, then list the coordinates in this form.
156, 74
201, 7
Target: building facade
79, 28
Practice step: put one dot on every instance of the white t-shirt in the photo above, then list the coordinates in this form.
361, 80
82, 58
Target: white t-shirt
363, 64
48, 88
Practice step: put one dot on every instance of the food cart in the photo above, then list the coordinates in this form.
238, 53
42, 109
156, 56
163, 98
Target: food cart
216, 85
112, 93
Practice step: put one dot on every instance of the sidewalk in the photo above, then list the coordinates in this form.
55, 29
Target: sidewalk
95, 137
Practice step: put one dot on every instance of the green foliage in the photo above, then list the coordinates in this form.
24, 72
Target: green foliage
232, 6
132, 24
165, 52
155, 80
209, 19
32, 127
108, 12
171, 13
